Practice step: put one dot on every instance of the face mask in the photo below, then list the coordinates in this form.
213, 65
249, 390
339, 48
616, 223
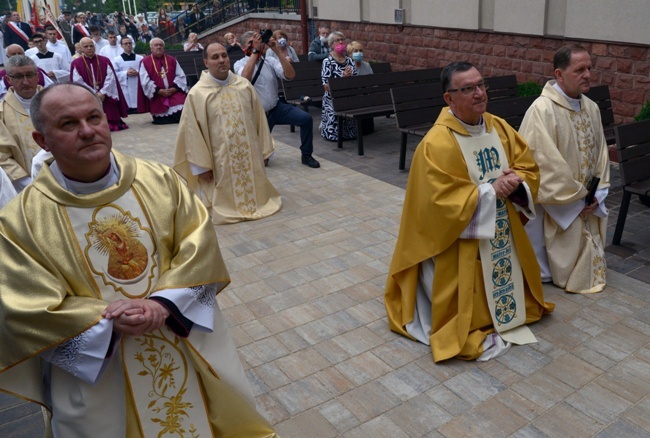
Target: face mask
340, 49
357, 56
323, 40
282, 42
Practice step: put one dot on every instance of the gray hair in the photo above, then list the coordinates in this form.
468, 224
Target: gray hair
334, 35
155, 40
450, 70
35, 108
19, 61
245, 37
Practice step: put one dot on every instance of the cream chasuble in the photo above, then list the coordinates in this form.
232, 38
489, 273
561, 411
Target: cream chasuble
224, 129
140, 237
570, 148
17, 147
504, 284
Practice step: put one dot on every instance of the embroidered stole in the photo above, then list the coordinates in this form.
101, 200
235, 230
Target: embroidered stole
118, 246
504, 283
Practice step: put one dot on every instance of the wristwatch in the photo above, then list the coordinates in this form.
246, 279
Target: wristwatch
256, 52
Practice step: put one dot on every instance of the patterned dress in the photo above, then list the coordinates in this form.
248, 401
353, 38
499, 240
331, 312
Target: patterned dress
329, 131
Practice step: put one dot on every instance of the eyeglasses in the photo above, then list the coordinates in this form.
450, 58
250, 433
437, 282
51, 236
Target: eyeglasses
470, 89
23, 77
37, 41
339, 40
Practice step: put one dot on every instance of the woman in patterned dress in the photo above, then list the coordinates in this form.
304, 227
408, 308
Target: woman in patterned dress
336, 65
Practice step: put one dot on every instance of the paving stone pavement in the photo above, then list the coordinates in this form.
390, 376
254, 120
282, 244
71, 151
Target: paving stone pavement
305, 308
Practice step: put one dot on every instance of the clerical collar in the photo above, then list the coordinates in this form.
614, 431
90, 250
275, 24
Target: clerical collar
81, 188
473, 130
223, 83
125, 56
575, 103
25, 102
45, 55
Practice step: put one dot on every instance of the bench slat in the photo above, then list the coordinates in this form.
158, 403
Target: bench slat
633, 149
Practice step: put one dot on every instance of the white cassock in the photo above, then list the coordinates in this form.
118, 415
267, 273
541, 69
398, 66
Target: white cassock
129, 84
61, 48
3, 55
111, 52
51, 61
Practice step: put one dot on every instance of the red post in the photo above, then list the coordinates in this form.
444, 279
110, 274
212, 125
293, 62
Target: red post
304, 27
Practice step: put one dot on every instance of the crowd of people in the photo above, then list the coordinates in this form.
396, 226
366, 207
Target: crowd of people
133, 263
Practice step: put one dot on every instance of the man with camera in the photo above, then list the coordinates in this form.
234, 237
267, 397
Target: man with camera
263, 74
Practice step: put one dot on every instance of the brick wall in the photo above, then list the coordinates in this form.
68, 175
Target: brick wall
625, 68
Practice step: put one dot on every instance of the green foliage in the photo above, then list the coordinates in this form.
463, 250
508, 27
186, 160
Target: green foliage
529, 88
644, 114
141, 48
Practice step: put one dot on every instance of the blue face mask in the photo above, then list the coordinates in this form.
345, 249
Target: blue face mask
357, 56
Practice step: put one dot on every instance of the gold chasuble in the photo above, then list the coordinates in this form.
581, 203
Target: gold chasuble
440, 201
17, 147
145, 234
570, 148
224, 129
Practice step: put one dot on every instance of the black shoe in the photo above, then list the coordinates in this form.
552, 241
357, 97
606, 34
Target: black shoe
310, 161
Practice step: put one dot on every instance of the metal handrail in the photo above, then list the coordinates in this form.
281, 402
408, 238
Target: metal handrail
228, 10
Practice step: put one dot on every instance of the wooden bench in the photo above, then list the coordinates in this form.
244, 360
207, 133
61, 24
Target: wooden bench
380, 67
308, 82
511, 110
502, 87
633, 151
416, 107
600, 95
186, 61
362, 97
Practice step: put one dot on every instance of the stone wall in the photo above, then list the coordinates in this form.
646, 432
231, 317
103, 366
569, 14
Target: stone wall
625, 68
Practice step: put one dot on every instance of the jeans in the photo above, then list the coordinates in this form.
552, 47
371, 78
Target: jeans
285, 114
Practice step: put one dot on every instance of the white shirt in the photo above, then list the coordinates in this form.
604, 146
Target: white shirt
31, 52
267, 82
62, 49
111, 51
99, 45
56, 63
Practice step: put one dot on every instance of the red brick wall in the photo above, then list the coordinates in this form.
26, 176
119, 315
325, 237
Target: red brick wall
625, 68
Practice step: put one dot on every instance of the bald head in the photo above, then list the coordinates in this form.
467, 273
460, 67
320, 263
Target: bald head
87, 47
216, 60
78, 134
14, 49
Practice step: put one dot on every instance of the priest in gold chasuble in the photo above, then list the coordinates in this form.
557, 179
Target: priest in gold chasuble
463, 278
565, 134
17, 147
109, 312
223, 140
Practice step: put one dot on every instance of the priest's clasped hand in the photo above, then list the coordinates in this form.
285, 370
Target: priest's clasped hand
136, 317
506, 183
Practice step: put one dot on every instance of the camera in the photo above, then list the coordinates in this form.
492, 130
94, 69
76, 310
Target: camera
266, 35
